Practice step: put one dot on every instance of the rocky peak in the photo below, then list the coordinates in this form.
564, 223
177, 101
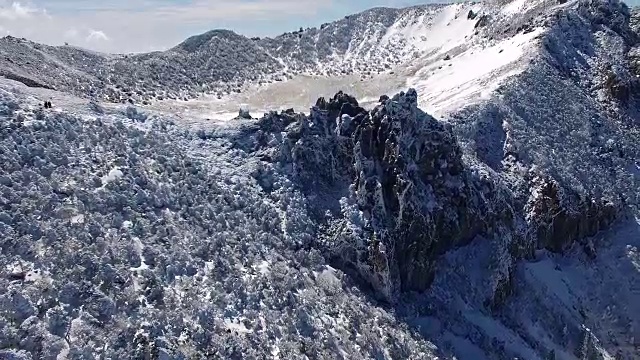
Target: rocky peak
403, 172
202, 41
410, 184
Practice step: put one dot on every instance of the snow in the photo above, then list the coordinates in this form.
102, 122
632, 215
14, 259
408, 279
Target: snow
113, 175
139, 247
246, 275
236, 326
263, 267
471, 75
550, 278
275, 352
514, 7
77, 219
447, 30
33, 275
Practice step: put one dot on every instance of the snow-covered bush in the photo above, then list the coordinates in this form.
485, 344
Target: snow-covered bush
127, 230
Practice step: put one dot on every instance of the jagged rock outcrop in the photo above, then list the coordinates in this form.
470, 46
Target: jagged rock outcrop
399, 172
406, 196
558, 218
411, 185
316, 149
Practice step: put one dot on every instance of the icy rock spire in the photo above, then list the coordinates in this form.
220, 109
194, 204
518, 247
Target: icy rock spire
410, 181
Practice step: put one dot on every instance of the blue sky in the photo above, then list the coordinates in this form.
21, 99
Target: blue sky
145, 25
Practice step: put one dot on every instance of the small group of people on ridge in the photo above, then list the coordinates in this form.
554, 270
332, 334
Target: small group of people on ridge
47, 105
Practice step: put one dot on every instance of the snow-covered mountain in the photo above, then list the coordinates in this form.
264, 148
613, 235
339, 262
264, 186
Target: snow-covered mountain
413, 41
504, 225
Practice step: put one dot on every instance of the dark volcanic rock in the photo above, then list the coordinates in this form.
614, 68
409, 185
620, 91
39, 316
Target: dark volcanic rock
244, 114
559, 218
483, 21
412, 187
406, 176
339, 104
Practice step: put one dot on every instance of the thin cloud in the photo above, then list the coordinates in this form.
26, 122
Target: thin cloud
206, 10
97, 35
72, 33
17, 11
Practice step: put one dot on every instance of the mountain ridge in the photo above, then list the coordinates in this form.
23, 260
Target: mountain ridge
267, 59
507, 228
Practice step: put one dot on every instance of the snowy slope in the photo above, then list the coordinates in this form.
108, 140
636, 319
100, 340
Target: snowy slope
407, 45
453, 55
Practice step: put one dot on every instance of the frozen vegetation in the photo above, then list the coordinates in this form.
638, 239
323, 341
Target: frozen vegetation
508, 227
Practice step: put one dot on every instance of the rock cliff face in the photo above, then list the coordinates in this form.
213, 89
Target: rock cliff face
559, 218
412, 187
405, 193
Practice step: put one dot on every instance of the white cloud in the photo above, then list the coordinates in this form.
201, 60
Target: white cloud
17, 11
97, 35
134, 25
72, 33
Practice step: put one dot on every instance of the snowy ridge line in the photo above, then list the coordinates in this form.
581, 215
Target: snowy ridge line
369, 44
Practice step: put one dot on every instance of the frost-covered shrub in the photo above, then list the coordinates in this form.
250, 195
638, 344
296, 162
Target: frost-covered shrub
127, 230
133, 114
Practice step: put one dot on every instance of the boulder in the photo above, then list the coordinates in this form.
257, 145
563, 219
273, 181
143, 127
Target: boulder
244, 114
618, 84
482, 21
